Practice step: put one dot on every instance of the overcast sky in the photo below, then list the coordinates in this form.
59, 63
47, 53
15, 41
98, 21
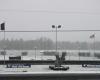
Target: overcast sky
41, 14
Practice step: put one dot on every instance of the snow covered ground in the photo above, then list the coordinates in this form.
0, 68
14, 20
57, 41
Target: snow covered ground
45, 68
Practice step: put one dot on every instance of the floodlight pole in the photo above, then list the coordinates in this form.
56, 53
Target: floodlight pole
4, 47
3, 29
56, 39
56, 27
94, 46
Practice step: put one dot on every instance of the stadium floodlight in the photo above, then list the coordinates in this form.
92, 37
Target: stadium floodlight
53, 26
59, 26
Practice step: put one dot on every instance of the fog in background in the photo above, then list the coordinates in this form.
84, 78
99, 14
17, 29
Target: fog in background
42, 14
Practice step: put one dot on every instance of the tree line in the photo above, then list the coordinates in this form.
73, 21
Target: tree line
46, 44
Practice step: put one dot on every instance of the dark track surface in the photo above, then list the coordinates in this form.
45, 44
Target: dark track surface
51, 76
44, 62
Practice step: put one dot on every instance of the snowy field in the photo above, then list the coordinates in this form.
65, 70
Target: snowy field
45, 69
37, 55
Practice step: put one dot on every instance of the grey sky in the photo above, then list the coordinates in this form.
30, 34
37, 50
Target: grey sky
41, 14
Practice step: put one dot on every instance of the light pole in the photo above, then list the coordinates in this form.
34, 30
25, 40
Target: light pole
56, 27
3, 29
79, 52
93, 37
35, 52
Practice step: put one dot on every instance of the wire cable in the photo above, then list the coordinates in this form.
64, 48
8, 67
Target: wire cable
49, 11
57, 31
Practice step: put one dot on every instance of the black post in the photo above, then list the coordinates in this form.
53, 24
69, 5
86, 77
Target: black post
3, 29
